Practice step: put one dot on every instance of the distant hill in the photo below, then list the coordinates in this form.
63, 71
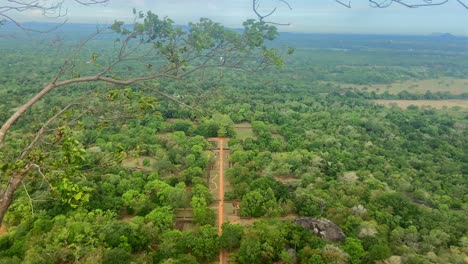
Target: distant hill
443, 35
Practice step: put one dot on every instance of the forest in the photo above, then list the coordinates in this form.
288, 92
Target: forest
133, 173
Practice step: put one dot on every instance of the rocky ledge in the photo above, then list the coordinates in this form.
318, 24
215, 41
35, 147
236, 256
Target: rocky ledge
323, 228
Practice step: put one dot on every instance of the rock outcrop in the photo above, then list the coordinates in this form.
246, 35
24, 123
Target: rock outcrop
323, 228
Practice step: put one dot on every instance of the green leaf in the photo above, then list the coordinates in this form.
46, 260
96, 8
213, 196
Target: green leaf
78, 196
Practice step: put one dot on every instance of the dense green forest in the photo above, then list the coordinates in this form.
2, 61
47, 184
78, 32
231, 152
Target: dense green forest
394, 180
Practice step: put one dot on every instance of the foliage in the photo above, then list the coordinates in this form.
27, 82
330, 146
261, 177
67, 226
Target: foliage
231, 237
204, 243
392, 179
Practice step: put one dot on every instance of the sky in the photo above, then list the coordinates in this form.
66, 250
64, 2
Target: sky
308, 16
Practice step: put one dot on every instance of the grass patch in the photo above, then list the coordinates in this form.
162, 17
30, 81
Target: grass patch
451, 85
244, 130
184, 213
145, 163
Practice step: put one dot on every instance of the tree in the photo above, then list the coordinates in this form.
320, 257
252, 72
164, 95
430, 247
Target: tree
250, 251
117, 255
379, 252
204, 243
355, 250
202, 191
202, 213
311, 256
134, 201
253, 204
335, 255
161, 217
177, 196
173, 242
231, 237
308, 204
263, 242
177, 54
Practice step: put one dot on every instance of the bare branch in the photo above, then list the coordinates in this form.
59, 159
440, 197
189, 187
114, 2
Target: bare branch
424, 3
73, 55
256, 5
463, 4
44, 178
278, 24
348, 5
29, 197
286, 3
50, 9
19, 25
372, 3
91, 2
167, 96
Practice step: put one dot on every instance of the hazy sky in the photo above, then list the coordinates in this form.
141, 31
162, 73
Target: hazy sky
306, 16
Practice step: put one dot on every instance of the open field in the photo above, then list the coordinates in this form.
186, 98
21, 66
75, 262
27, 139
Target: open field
432, 103
244, 130
141, 163
184, 218
248, 221
452, 85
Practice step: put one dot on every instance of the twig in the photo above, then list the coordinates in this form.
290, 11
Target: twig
44, 178
51, 9
256, 5
344, 4
463, 4
425, 3
29, 197
167, 96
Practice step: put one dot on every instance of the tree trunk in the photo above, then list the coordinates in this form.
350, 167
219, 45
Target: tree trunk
6, 195
4, 204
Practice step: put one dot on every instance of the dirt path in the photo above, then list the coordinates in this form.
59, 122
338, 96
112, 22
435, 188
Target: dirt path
221, 185
218, 186
222, 254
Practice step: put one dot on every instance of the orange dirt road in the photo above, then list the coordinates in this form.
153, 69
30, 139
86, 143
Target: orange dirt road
222, 254
221, 185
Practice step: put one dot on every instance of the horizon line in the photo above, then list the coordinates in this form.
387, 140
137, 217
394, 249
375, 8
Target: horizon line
432, 34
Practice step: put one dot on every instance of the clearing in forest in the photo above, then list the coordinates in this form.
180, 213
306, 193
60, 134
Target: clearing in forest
143, 163
432, 103
451, 85
244, 130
